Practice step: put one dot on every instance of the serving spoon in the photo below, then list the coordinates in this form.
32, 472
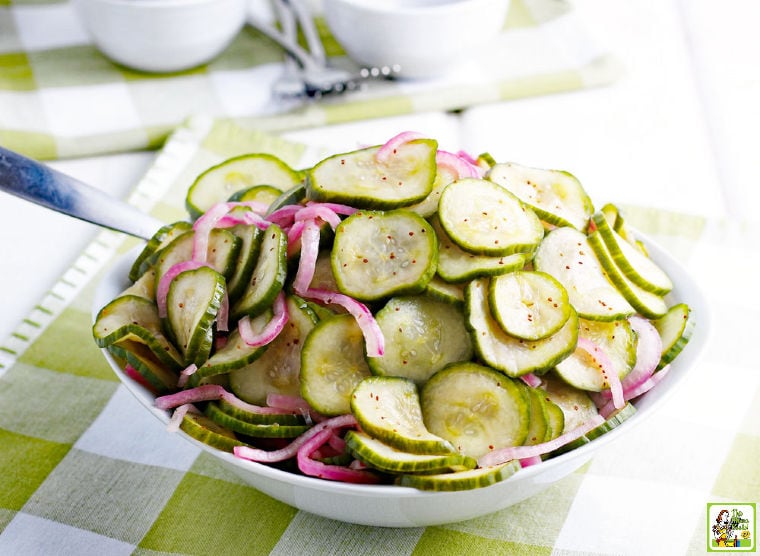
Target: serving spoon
44, 186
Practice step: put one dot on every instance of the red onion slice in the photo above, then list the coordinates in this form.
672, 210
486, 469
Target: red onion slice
503, 455
309, 466
531, 380
606, 368
308, 260
458, 165
271, 330
389, 148
211, 392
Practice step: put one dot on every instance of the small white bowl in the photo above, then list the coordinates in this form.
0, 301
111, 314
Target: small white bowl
396, 506
426, 38
162, 35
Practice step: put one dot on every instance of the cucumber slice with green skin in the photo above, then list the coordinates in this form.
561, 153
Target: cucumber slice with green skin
277, 370
219, 182
637, 267
235, 354
264, 194
461, 480
388, 459
475, 408
268, 276
131, 317
576, 405
163, 237
192, 305
256, 430
144, 286
566, 254
292, 196
457, 265
357, 178
528, 304
648, 304
143, 360
259, 418
332, 364
207, 431
380, 254
223, 251
439, 289
616, 339
675, 328
250, 247
429, 206
613, 421
483, 218
539, 429
388, 409
514, 356
422, 335
555, 418
556, 196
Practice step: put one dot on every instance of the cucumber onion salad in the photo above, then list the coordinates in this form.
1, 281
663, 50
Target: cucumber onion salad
396, 314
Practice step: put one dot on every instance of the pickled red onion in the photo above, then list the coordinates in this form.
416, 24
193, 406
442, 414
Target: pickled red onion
308, 260
458, 165
211, 392
271, 330
314, 468
389, 147
606, 368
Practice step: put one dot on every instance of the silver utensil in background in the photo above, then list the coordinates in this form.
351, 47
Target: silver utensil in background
42, 185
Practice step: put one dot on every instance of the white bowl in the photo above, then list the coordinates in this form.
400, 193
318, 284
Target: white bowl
426, 38
162, 35
394, 506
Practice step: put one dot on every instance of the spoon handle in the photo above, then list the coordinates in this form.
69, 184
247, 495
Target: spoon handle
42, 185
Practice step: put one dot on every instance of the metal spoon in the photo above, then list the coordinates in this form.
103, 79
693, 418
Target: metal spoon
42, 185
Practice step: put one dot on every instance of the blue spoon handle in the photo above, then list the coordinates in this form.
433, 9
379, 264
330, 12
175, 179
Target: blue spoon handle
42, 185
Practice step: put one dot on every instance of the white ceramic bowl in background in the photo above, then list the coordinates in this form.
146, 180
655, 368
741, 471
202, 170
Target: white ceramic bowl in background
394, 506
426, 38
162, 35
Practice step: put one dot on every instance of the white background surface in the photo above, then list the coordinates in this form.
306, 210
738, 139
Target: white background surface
677, 130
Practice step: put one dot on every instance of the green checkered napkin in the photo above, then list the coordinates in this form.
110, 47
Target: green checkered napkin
59, 97
84, 469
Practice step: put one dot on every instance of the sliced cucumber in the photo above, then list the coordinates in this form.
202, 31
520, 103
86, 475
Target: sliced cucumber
539, 428
566, 254
161, 378
277, 370
219, 182
358, 178
675, 328
135, 318
259, 418
555, 417
388, 409
332, 364
223, 251
386, 458
429, 205
422, 336
461, 480
235, 353
144, 286
379, 254
268, 276
637, 267
556, 196
457, 265
616, 339
158, 241
528, 304
511, 355
207, 431
648, 304
250, 247
444, 291
256, 430
576, 405
264, 194
485, 219
475, 408
192, 305
613, 421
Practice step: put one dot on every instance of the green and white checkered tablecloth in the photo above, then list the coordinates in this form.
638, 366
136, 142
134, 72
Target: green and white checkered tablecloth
84, 469
59, 97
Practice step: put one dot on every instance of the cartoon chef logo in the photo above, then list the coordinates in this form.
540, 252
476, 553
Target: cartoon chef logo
731, 527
